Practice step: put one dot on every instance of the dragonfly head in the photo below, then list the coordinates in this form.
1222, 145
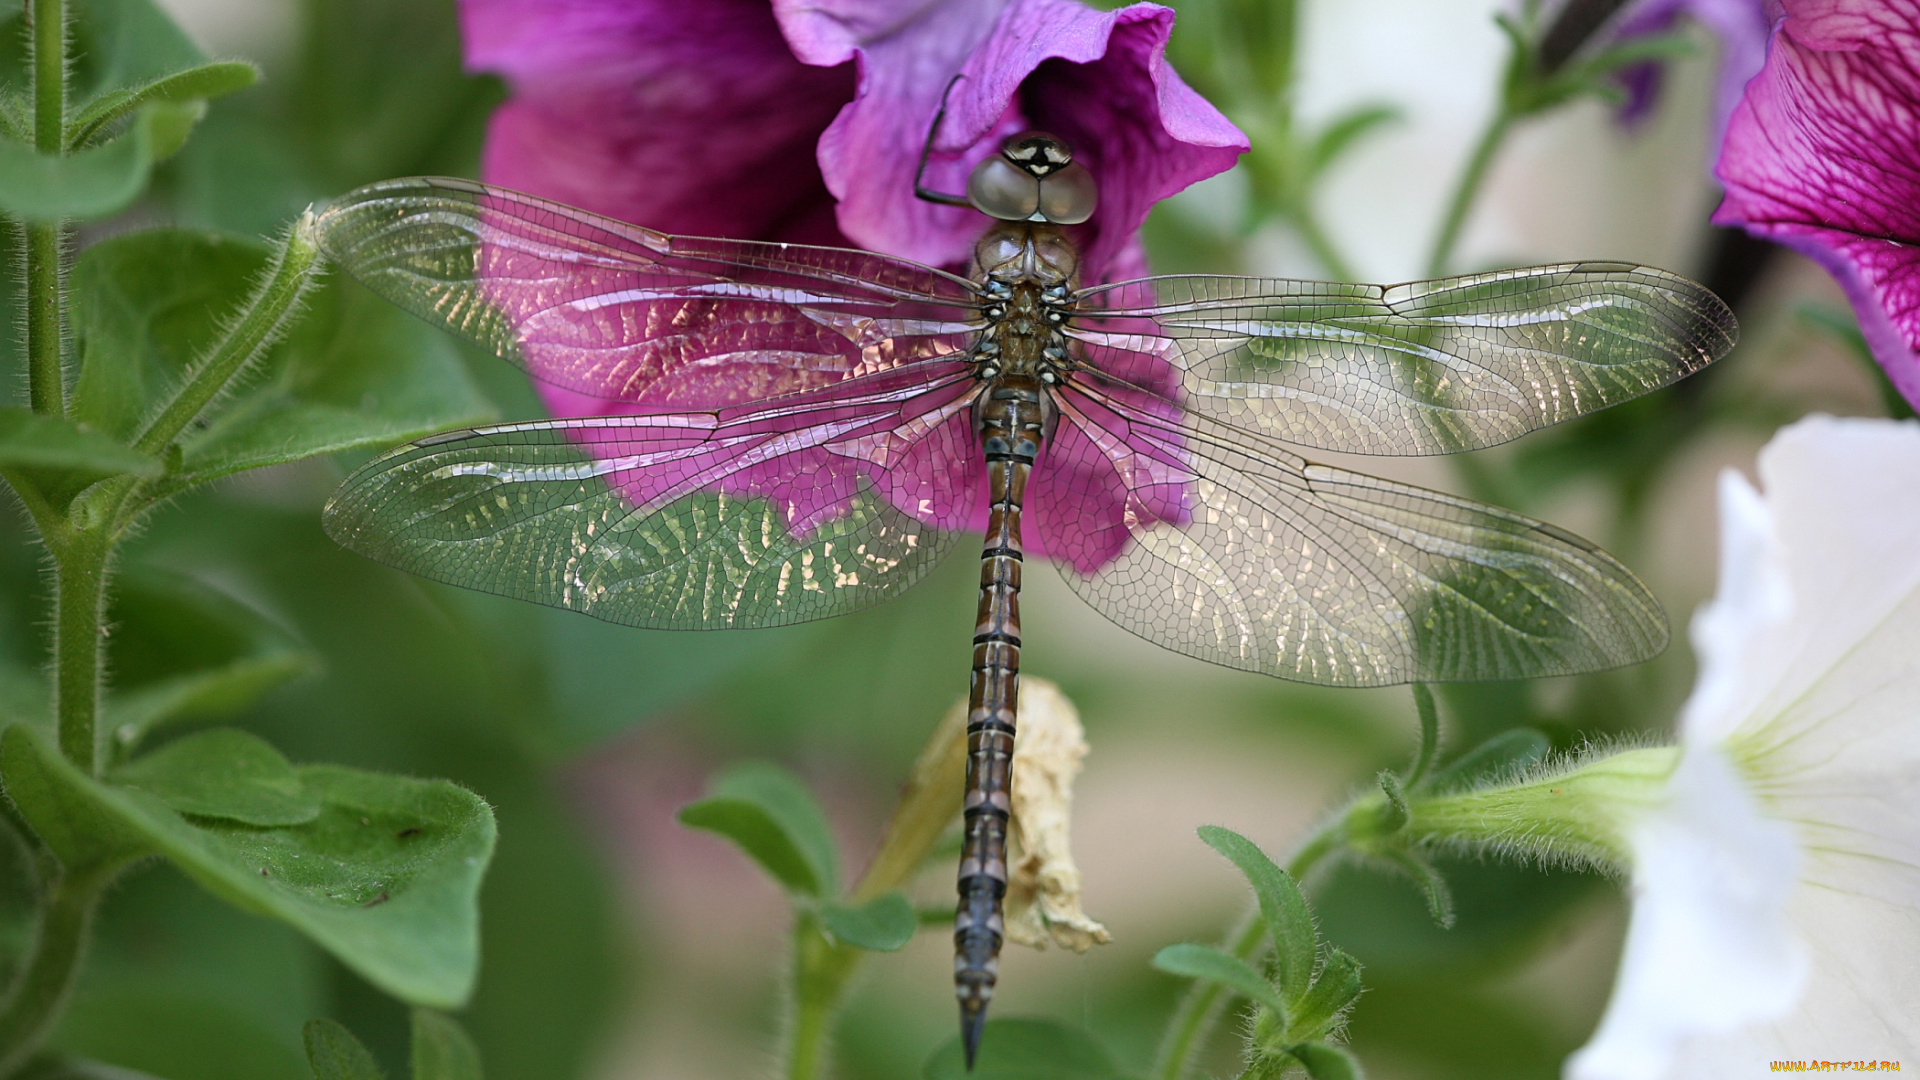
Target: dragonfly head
1033, 178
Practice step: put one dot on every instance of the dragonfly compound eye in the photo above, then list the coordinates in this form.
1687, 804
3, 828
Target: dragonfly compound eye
1034, 178
999, 188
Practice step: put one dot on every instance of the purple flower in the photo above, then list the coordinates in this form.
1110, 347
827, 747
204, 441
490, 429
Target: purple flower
1742, 27
1823, 155
804, 122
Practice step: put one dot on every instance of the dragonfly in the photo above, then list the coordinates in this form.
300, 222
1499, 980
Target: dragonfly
799, 432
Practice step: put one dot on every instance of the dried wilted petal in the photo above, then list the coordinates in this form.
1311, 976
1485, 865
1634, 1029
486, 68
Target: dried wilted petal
1043, 895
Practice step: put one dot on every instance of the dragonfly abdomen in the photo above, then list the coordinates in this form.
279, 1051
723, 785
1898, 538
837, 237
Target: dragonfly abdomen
1011, 418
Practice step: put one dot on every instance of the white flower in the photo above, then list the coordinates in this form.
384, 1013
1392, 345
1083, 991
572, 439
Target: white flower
1776, 888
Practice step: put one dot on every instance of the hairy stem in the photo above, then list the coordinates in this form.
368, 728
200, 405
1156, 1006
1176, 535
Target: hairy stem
80, 599
39, 995
821, 969
1468, 189
46, 391
1199, 1011
265, 317
46, 386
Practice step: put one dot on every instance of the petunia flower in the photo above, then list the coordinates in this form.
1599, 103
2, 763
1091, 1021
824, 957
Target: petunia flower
805, 122
1823, 155
1776, 874
1740, 26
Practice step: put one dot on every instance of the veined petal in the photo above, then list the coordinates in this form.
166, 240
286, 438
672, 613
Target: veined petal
1098, 79
1821, 155
686, 117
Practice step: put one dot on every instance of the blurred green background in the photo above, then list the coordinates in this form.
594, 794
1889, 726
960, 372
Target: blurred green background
616, 944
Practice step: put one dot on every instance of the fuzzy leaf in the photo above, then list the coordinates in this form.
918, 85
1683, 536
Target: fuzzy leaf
441, 1048
1432, 885
774, 819
884, 924
1345, 131
1336, 988
1324, 1062
185, 651
195, 84
386, 877
1289, 920
1026, 1050
31, 441
1212, 965
93, 183
354, 373
223, 773
336, 1055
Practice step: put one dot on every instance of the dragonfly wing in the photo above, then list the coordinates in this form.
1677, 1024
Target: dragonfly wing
1429, 367
1228, 548
627, 314
797, 509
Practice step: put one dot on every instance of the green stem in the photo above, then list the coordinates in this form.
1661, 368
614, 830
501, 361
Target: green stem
46, 386
1468, 190
266, 315
49, 75
821, 969
40, 993
1321, 245
46, 391
80, 595
1200, 1009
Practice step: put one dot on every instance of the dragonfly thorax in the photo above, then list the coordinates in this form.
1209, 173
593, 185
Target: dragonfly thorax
1026, 297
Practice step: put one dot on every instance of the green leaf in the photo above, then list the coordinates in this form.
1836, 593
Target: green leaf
355, 373
223, 773
1324, 1062
386, 877
1212, 965
1345, 131
19, 897
884, 924
1504, 754
1334, 991
441, 1048
1431, 883
1026, 1050
196, 84
31, 441
1289, 920
336, 1055
93, 183
185, 651
774, 819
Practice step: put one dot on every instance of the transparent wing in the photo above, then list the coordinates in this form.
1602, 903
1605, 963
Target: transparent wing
1230, 549
808, 506
628, 314
1430, 367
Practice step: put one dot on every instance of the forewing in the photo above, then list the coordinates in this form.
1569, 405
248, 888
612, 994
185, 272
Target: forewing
627, 314
798, 509
1429, 367
1232, 550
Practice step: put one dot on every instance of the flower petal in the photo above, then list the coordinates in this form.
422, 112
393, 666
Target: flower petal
1820, 155
1098, 79
690, 118
1742, 27
1709, 947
